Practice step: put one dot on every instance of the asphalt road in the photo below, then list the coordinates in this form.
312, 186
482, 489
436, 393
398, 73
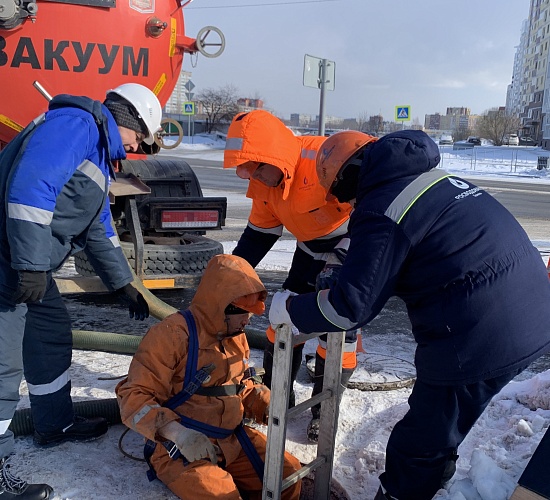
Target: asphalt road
529, 202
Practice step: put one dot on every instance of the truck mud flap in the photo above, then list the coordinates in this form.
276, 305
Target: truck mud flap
188, 258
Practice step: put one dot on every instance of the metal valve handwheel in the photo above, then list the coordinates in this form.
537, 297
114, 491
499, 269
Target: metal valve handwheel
167, 125
202, 44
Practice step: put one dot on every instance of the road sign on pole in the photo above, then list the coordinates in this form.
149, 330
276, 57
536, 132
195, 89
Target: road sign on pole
189, 85
319, 73
402, 113
188, 108
313, 67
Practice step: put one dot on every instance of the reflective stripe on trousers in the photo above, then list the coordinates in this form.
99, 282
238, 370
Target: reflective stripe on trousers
47, 353
12, 327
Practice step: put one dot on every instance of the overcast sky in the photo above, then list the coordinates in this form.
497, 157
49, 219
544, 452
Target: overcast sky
428, 54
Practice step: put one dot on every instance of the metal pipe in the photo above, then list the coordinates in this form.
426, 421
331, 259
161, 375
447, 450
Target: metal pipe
42, 90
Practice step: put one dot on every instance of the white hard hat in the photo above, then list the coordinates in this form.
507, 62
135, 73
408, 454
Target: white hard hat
146, 104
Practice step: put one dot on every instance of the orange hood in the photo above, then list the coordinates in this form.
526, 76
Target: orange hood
261, 137
226, 279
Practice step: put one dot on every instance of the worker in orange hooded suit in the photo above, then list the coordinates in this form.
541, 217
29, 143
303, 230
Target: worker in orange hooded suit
204, 467
286, 193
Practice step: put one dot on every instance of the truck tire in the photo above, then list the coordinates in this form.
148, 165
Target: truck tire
164, 176
188, 258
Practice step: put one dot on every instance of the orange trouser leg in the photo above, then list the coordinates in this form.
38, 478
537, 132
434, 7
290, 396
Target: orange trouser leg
201, 480
349, 359
246, 478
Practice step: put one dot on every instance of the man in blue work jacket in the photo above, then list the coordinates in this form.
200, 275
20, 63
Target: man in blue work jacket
54, 180
476, 290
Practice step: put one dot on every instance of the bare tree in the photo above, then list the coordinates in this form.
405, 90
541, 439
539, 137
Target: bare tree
495, 125
462, 132
219, 105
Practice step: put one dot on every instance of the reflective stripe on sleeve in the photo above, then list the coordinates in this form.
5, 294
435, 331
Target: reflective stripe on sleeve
93, 173
141, 413
277, 230
310, 154
408, 197
348, 347
54, 386
330, 314
234, 144
4, 424
315, 255
29, 214
115, 241
339, 231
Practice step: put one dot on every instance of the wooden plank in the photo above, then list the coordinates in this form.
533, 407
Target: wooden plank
125, 185
81, 284
521, 493
535, 478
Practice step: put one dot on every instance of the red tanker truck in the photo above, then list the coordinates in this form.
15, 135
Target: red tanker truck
85, 47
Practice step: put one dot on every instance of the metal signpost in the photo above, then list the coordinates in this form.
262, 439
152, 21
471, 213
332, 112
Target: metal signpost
319, 73
189, 107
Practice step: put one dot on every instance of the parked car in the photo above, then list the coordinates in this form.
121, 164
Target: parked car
527, 141
468, 143
476, 141
511, 140
446, 140
462, 145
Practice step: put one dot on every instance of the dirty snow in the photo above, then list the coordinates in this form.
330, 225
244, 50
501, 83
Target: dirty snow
492, 457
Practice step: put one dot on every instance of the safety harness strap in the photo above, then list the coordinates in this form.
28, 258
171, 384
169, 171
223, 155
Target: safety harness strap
210, 430
196, 378
192, 381
220, 390
250, 451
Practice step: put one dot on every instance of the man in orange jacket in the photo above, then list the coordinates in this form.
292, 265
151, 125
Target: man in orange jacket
286, 193
201, 449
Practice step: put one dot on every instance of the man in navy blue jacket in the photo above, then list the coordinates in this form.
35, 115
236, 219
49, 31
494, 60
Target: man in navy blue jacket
54, 182
476, 290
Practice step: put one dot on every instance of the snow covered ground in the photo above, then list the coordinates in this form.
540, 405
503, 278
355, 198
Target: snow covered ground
492, 457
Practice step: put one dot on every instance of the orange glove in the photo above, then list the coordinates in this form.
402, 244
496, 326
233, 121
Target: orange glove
256, 404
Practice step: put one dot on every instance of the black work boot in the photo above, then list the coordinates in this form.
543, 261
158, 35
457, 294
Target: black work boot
313, 426
450, 468
82, 429
380, 495
13, 488
296, 363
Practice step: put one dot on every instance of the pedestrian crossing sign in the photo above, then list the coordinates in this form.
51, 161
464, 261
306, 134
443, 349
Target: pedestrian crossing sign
402, 113
188, 108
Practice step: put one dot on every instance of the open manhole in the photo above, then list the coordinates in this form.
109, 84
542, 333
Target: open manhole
376, 372
337, 492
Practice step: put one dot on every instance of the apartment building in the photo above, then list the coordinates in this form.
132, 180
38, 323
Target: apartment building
528, 94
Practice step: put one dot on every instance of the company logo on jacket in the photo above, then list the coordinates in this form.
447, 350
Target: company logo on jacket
463, 185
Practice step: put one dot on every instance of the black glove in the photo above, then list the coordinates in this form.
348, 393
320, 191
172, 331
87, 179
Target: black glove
329, 275
137, 305
31, 286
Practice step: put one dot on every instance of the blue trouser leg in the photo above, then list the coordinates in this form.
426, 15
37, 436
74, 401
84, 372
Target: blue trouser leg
12, 326
437, 422
47, 353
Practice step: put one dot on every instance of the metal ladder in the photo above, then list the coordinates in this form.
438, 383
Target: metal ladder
279, 414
